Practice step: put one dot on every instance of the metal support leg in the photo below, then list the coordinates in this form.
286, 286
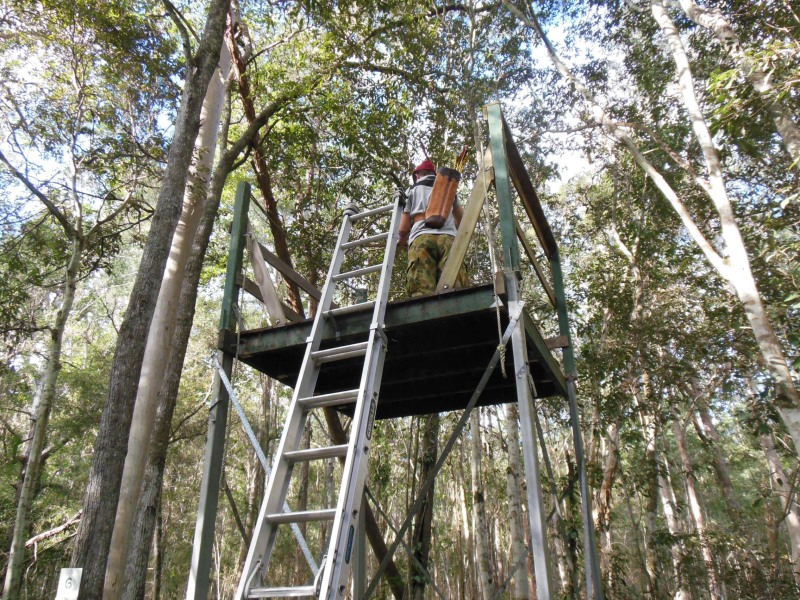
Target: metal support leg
594, 584
209, 490
536, 512
199, 574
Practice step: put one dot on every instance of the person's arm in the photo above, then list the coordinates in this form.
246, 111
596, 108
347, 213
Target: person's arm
458, 212
405, 229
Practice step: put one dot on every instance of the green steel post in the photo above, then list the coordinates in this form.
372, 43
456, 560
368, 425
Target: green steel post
199, 574
594, 584
502, 185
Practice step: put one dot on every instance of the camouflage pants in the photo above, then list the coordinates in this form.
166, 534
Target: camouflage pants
426, 258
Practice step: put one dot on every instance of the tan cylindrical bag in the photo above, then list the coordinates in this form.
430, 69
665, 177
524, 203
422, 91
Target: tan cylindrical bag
443, 196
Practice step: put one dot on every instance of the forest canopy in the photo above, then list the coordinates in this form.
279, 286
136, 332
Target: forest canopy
663, 140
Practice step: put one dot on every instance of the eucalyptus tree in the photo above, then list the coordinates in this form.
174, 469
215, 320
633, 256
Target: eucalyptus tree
80, 150
94, 535
703, 202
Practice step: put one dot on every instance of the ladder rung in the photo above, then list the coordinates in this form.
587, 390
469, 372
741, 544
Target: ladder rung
358, 272
283, 592
333, 399
343, 310
340, 353
374, 211
302, 516
316, 453
365, 241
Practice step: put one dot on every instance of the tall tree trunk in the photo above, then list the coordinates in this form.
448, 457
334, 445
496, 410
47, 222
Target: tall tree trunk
42, 405
669, 505
712, 19
786, 494
480, 526
100, 502
150, 494
736, 269
470, 584
160, 335
423, 525
707, 431
603, 502
649, 432
696, 510
262, 171
519, 583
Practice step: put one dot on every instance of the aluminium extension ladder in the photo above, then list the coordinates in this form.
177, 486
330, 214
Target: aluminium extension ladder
330, 581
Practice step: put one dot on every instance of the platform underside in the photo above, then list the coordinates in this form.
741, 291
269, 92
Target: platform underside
439, 348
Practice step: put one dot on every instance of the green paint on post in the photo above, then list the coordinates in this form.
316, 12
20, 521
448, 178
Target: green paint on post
230, 296
502, 184
563, 315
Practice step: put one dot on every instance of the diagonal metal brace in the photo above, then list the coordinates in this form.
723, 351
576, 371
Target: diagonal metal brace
263, 460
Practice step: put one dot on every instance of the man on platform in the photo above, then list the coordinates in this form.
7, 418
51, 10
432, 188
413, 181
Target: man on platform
428, 248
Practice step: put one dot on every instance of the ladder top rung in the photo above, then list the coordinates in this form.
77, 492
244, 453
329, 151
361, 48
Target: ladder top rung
316, 453
343, 310
364, 241
302, 516
358, 272
374, 211
302, 591
333, 399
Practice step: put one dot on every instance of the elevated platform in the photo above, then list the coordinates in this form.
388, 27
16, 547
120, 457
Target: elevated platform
439, 347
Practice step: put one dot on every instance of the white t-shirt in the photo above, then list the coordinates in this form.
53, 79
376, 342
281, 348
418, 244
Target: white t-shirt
417, 198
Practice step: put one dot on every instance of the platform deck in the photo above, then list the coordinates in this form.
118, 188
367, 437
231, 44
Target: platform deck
439, 347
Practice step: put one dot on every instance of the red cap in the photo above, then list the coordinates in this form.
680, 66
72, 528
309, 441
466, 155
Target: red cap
425, 165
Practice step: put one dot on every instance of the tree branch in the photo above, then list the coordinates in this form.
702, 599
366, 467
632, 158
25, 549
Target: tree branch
40, 537
57, 214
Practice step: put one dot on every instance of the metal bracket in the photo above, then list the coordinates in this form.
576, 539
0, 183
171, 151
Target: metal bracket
227, 341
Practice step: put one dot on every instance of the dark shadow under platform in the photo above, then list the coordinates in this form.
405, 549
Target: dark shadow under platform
439, 347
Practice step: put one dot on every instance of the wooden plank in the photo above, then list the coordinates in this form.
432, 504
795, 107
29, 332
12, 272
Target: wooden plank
290, 273
469, 221
536, 266
560, 341
251, 287
540, 351
527, 194
269, 296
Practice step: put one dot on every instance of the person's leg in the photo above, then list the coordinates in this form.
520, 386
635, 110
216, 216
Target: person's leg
421, 276
443, 248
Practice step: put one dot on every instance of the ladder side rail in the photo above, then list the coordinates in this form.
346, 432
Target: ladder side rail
339, 561
354, 475
382, 295
264, 534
